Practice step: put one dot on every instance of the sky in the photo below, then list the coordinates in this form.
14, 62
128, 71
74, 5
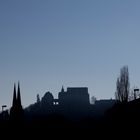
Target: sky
45, 44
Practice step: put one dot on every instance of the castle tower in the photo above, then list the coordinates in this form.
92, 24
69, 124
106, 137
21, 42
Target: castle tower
62, 90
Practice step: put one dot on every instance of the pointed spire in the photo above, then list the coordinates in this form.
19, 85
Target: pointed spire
18, 95
62, 90
14, 95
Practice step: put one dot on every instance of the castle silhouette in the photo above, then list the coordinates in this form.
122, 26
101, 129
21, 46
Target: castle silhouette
74, 103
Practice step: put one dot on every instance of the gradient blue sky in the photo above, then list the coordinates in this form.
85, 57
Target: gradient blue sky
49, 43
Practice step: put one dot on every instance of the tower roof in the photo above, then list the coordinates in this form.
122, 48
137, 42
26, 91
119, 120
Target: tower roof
18, 95
14, 96
62, 90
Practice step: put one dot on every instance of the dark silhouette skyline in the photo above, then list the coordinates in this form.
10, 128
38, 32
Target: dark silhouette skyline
72, 103
71, 112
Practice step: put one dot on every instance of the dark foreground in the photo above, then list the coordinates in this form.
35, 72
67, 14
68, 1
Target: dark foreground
121, 121
57, 128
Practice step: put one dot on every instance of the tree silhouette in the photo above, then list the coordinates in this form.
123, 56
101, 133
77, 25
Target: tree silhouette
123, 85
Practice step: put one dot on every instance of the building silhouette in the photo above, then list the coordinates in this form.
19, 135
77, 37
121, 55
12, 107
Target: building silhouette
75, 96
70, 103
16, 111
